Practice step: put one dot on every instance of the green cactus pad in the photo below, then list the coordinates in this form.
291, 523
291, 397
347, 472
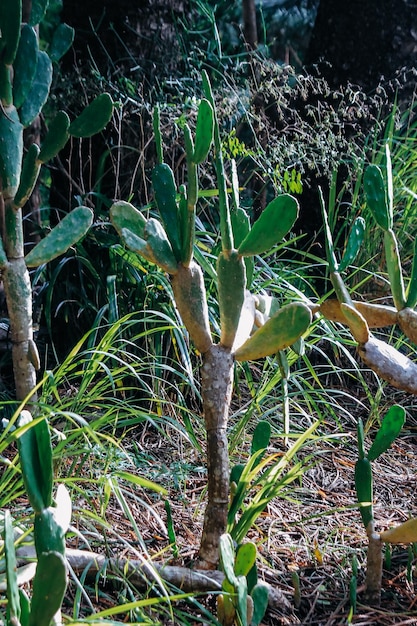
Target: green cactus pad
56, 138
10, 20
279, 332
273, 224
203, 131
49, 587
260, 596
241, 227
68, 232
154, 247
35, 454
125, 215
38, 11
94, 117
166, 199
245, 558
11, 151
261, 436
24, 66
13, 599
376, 196
412, 285
354, 243
231, 282
393, 261
29, 176
39, 90
187, 219
49, 534
62, 40
388, 431
227, 556
364, 489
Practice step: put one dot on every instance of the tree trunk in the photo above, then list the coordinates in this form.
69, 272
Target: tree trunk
250, 31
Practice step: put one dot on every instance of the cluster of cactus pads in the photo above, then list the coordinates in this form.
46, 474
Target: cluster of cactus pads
51, 523
169, 243
25, 80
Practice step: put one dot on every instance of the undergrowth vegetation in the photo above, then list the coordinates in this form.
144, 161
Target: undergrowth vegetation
119, 405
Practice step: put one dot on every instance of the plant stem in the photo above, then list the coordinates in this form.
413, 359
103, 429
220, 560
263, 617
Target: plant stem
216, 388
373, 566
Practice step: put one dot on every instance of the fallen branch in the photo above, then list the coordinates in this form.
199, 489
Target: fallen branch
141, 572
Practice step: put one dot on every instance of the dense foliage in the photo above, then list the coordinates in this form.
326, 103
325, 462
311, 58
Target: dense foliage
207, 284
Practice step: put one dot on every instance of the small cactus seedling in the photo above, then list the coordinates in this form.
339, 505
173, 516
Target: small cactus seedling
170, 246
388, 431
25, 80
243, 600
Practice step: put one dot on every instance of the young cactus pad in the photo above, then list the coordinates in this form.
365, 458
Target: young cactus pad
279, 332
67, 233
272, 225
93, 118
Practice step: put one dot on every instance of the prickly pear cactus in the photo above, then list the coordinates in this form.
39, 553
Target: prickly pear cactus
170, 244
25, 80
51, 520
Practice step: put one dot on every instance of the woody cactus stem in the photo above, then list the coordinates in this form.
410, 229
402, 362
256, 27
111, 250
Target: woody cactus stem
25, 80
216, 386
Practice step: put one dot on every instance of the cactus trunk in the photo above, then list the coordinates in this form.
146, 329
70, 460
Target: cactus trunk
18, 292
216, 388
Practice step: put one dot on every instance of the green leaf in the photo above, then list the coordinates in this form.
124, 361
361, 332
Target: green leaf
56, 137
73, 227
376, 196
94, 118
245, 558
280, 331
62, 40
166, 199
49, 587
388, 431
39, 90
24, 67
272, 225
354, 243
204, 131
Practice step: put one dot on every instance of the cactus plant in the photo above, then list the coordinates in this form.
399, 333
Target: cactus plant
25, 79
387, 433
172, 250
51, 522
